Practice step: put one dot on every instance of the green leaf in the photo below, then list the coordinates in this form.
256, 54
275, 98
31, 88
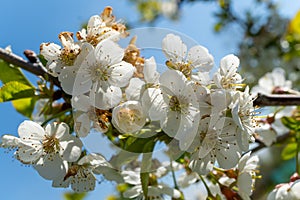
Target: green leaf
15, 90
289, 151
9, 73
145, 183
24, 106
291, 123
137, 145
74, 196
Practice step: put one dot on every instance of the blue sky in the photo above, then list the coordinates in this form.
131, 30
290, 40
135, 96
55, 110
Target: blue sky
26, 24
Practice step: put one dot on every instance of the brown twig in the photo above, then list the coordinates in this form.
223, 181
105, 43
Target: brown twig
277, 100
279, 139
34, 68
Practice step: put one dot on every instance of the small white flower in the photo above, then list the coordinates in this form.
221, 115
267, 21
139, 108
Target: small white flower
68, 74
102, 73
288, 191
175, 50
272, 82
227, 77
128, 117
175, 105
80, 175
58, 57
216, 140
49, 149
243, 115
246, 175
101, 27
97, 31
9, 141
151, 76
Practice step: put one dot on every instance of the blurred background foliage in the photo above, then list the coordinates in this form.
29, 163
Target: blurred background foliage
269, 39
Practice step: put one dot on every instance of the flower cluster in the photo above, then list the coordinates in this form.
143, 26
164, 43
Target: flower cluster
210, 118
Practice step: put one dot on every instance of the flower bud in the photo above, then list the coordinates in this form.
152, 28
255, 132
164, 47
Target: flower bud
128, 117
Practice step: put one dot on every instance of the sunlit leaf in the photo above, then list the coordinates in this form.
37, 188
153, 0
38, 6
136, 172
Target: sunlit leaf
9, 73
24, 106
289, 151
15, 90
291, 123
294, 26
74, 196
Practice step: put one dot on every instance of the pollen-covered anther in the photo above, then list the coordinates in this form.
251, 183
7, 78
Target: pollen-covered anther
51, 144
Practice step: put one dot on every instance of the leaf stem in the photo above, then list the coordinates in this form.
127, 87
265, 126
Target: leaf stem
56, 116
173, 175
206, 186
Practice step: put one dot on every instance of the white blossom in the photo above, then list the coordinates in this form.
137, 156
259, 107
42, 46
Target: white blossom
243, 115
128, 117
67, 76
80, 175
57, 57
175, 50
48, 150
215, 141
175, 105
288, 191
247, 168
103, 73
272, 82
151, 76
101, 27
227, 77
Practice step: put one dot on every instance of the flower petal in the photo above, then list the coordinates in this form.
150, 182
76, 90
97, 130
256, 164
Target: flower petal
105, 97
174, 49
200, 58
150, 73
120, 74
29, 131
71, 148
60, 130
81, 102
51, 168
108, 53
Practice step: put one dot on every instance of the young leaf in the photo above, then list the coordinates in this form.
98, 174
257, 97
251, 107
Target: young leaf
289, 151
9, 73
137, 145
74, 196
291, 123
15, 90
24, 106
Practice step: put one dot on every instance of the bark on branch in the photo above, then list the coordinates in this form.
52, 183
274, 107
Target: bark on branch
35, 68
277, 100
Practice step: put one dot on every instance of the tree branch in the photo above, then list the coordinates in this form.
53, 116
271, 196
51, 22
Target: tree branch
277, 100
279, 139
34, 68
